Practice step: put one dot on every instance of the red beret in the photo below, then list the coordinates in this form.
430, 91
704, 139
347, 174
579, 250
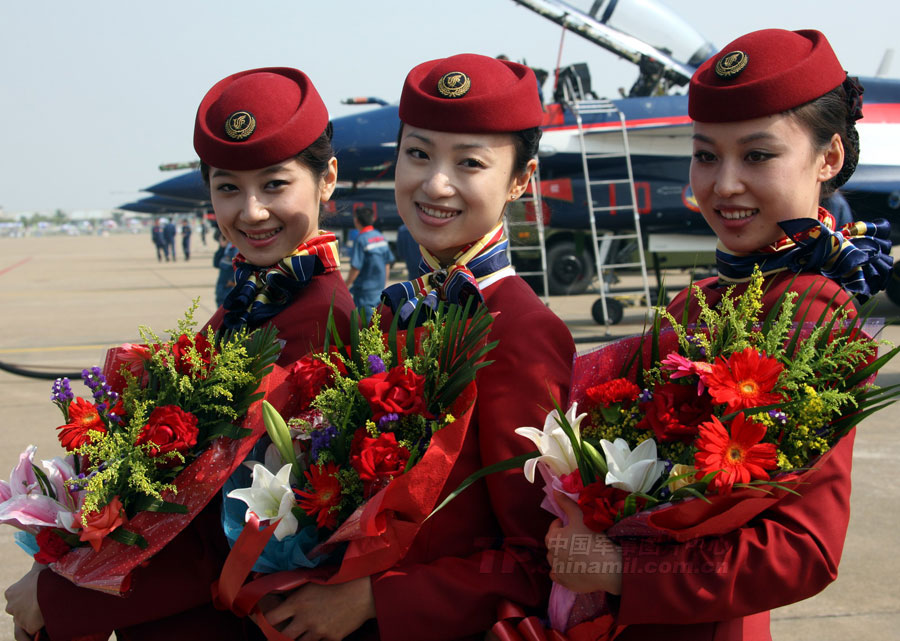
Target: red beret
763, 73
257, 118
471, 94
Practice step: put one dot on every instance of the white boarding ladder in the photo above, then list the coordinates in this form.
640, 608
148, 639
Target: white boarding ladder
615, 148
528, 235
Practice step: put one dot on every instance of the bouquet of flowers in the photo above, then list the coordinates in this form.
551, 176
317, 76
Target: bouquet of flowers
374, 428
157, 437
682, 426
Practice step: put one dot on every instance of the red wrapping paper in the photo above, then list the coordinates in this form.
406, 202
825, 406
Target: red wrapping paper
108, 570
379, 533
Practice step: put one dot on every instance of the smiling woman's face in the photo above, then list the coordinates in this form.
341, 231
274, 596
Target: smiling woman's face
748, 176
266, 213
452, 188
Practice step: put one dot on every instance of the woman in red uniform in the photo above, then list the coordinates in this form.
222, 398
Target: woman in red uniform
264, 140
774, 133
466, 148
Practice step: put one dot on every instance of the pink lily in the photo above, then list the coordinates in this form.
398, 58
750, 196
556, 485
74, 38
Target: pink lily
25, 505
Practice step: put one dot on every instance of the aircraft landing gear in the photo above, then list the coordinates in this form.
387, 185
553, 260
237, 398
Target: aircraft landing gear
615, 308
569, 271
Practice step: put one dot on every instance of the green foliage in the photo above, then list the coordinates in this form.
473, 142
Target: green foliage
216, 386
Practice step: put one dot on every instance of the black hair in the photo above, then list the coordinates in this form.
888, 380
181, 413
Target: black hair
315, 157
526, 142
834, 113
364, 216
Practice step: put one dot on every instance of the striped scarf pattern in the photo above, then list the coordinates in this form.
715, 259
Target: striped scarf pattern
262, 292
473, 265
857, 256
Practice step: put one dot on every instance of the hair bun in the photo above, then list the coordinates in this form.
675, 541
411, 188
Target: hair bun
854, 91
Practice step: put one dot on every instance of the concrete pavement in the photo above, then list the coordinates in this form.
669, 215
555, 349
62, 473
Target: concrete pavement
64, 300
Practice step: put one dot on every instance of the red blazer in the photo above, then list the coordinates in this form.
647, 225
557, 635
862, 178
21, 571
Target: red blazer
170, 596
487, 544
722, 588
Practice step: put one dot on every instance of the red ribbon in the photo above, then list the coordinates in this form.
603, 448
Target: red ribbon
514, 625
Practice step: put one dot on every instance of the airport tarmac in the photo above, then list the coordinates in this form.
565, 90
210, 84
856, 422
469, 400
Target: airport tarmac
64, 300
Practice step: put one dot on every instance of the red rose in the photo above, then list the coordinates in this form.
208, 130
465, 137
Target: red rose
83, 418
99, 524
169, 428
618, 390
183, 362
52, 546
308, 376
600, 503
398, 391
377, 460
572, 482
675, 412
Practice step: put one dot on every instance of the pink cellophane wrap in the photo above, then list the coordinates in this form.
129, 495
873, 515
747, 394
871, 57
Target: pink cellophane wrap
685, 520
109, 569
378, 534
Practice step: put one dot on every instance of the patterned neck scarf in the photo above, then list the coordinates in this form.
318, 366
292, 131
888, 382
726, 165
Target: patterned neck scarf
479, 264
857, 256
262, 292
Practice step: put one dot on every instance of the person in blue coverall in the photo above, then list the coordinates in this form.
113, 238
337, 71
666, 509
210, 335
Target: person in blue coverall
370, 262
408, 249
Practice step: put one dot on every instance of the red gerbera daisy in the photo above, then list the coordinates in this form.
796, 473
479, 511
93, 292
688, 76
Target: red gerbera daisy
745, 380
618, 390
324, 495
738, 457
83, 418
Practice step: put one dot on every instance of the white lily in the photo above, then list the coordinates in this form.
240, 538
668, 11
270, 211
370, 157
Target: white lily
632, 471
553, 444
270, 497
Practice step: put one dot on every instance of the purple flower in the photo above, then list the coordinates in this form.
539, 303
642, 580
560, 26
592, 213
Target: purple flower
320, 440
778, 416
376, 365
103, 394
646, 396
61, 393
385, 420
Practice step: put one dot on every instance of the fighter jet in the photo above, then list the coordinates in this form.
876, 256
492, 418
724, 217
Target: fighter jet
666, 50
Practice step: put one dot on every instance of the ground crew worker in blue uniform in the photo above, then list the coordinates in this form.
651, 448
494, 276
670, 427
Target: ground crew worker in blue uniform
169, 237
370, 262
186, 238
159, 241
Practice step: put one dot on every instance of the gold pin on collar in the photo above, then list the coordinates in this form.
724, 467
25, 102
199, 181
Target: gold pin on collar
731, 64
455, 84
240, 125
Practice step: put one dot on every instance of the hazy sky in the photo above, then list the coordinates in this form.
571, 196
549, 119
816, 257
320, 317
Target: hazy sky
96, 94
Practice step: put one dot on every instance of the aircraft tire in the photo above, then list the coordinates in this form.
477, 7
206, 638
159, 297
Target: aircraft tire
892, 289
615, 308
568, 271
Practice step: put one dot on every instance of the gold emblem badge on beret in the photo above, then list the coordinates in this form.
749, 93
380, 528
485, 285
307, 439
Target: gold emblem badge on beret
731, 64
240, 125
455, 84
